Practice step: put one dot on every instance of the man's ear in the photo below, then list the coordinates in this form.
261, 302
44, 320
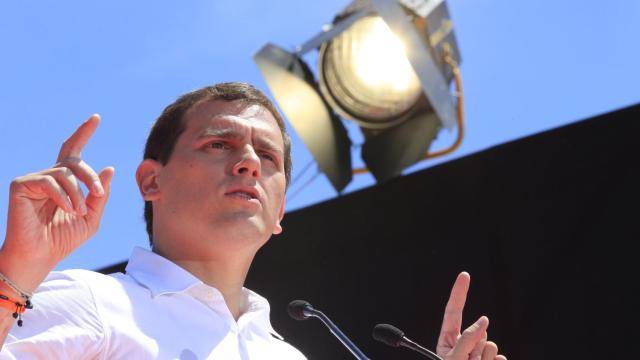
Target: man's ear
278, 228
147, 179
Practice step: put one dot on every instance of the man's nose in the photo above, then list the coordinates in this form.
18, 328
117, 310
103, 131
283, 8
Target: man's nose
248, 162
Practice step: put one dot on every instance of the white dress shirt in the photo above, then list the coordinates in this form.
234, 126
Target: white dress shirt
156, 310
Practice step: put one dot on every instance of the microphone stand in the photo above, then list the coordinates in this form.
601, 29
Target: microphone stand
309, 311
392, 336
422, 350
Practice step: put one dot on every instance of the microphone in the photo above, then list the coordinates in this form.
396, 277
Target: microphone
302, 310
393, 336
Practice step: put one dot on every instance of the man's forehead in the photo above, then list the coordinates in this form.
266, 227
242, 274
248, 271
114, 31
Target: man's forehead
250, 110
231, 119
221, 109
224, 107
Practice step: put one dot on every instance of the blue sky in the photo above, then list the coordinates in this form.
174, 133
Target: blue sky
527, 66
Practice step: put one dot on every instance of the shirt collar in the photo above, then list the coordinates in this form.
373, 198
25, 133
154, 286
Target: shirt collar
258, 310
161, 276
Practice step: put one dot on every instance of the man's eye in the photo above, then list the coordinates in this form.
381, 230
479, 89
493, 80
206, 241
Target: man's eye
267, 156
218, 145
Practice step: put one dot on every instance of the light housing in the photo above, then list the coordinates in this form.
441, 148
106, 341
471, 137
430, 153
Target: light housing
381, 65
365, 75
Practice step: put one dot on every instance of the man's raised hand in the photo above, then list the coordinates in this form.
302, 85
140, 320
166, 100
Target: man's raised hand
49, 215
472, 343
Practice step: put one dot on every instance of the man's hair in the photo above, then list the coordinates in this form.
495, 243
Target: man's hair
170, 124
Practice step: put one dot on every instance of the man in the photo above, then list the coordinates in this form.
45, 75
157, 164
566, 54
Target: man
216, 166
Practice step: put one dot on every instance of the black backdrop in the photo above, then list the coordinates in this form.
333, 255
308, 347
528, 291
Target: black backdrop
545, 226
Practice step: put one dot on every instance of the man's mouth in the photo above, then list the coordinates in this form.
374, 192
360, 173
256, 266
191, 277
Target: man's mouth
242, 194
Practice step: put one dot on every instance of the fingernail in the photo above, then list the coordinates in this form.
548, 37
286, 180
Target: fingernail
97, 188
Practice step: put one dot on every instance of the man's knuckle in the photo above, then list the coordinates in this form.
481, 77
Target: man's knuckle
91, 175
62, 170
88, 168
15, 183
69, 161
49, 180
468, 331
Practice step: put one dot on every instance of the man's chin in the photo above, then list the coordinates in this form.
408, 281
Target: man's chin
242, 224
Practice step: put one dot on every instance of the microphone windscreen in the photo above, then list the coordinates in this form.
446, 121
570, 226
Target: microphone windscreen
388, 334
296, 309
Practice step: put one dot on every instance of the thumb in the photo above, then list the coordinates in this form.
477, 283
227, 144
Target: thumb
469, 338
96, 204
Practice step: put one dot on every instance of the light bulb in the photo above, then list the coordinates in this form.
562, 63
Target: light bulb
366, 74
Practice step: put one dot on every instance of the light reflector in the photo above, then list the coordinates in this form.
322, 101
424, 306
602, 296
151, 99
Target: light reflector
365, 74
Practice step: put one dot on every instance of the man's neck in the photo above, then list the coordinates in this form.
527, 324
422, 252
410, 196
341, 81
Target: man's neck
226, 273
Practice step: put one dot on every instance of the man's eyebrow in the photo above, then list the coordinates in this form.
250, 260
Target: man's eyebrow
224, 133
267, 144
232, 134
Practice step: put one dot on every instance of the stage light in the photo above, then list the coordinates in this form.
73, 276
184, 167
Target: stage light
383, 64
365, 74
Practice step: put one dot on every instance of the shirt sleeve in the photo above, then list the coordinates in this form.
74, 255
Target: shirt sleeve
63, 324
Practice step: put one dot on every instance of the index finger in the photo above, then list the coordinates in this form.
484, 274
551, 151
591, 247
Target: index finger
452, 322
72, 147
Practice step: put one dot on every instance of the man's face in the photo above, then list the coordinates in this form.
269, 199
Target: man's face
225, 180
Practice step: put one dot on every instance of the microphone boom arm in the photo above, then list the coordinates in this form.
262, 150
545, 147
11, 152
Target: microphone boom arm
422, 350
392, 336
309, 311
